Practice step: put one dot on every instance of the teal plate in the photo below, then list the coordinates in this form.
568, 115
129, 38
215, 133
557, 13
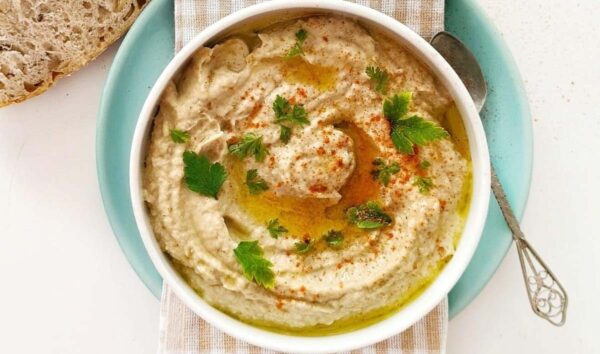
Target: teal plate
147, 49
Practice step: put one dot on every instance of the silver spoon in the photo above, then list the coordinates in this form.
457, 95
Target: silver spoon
547, 296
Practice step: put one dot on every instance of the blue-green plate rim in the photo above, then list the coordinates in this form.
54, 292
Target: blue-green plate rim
114, 204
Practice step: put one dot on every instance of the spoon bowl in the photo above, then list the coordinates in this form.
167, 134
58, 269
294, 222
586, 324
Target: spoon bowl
464, 63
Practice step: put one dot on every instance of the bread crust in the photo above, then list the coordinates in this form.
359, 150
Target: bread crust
77, 61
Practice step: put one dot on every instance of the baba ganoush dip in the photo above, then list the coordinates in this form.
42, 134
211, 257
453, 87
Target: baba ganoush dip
307, 177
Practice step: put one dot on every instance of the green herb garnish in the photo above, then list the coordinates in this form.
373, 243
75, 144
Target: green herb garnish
424, 183
303, 247
383, 171
256, 268
284, 112
285, 134
379, 77
334, 238
368, 216
424, 164
396, 107
179, 136
409, 131
297, 49
287, 115
251, 144
255, 184
201, 176
275, 228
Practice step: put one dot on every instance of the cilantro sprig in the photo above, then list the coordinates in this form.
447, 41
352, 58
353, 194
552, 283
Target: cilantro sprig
255, 183
287, 115
409, 131
297, 49
383, 171
379, 77
251, 144
368, 216
275, 228
179, 136
256, 268
424, 184
201, 176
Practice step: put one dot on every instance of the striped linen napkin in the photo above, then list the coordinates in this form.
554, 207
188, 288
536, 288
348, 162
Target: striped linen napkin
182, 331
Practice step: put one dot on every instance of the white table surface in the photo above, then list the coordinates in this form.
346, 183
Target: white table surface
67, 287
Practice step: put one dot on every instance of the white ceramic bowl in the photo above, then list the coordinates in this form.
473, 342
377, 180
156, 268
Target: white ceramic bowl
475, 219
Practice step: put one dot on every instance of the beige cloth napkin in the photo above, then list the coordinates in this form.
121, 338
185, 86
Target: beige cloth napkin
182, 331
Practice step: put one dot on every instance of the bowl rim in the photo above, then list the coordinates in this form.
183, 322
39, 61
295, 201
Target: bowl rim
413, 311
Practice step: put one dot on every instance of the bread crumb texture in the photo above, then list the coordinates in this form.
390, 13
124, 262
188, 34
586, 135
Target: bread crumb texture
44, 40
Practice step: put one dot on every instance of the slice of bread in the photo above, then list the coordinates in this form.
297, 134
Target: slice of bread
43, 40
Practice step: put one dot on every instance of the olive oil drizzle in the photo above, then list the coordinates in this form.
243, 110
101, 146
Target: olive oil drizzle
299, 215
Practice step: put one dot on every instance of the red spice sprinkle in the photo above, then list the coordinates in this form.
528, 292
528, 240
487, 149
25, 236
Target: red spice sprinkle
279, 304
302, 92
315, 188
233, 140
443, 204
255, 110
320, 151
302, 289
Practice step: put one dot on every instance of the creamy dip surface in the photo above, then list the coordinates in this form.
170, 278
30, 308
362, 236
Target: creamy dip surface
328, 165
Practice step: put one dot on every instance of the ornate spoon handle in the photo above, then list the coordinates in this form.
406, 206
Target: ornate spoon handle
547, 296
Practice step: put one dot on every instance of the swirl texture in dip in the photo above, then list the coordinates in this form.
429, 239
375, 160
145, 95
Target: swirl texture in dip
324, 169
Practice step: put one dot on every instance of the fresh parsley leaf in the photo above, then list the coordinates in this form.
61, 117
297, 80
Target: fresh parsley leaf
297, 49
201, 176
256, 268
415, 131
383, 171
303, 247
396, 107
285, 134
368, 216
301, 35
424, 164
280, 106
284, 112
334, 238
251, 144
379, 77
255, 184
409, 131
179, 136
424, 183
286, 115
275, 228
